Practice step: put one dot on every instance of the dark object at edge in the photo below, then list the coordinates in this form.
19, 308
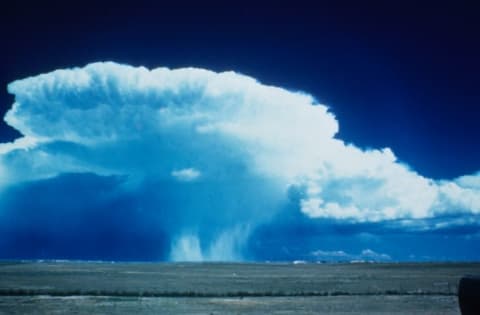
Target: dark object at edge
469, 295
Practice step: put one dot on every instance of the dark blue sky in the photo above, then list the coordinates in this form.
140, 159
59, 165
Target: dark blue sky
395, 75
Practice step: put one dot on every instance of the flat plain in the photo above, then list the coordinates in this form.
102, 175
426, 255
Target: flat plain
230, 288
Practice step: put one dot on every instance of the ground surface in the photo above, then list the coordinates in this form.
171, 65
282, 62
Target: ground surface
104, 288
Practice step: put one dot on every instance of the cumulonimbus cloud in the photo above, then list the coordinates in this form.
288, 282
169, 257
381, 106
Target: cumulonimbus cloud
231, 145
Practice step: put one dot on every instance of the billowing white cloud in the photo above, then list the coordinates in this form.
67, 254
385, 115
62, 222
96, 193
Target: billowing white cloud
244, 145
340, 255
186, 174
326, 253
373, 255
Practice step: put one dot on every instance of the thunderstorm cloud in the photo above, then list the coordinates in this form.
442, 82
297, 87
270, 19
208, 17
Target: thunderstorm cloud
205, 158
